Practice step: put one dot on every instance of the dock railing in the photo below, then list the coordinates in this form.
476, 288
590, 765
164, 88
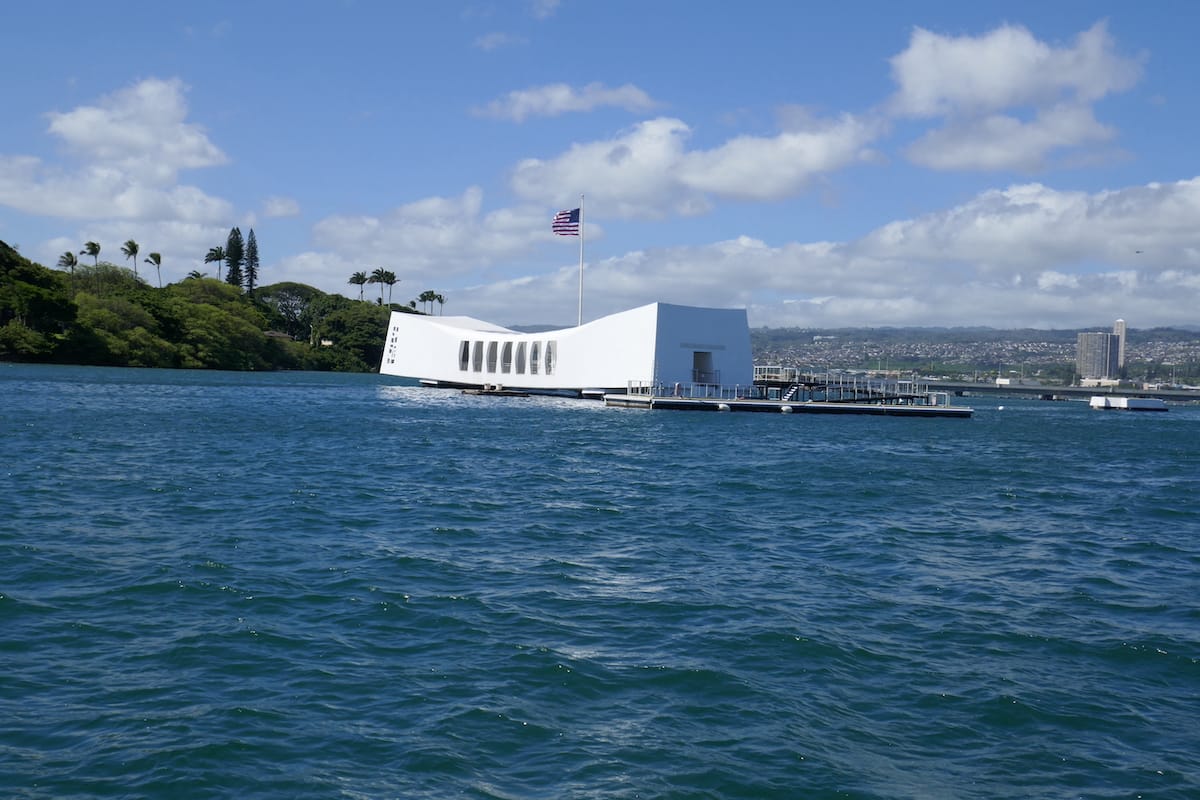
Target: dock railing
695, 391
789, 384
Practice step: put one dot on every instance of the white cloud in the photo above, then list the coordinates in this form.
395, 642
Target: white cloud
635, 172
100, 191
977, 83
1027, 254
326, 270
1000, 142
132, 144
1051, 280
647, 171
438, 235
771, 168
141, 129
961, 266
496, 40
941, 75
1176, 280
1034, 224
542, 9
560, 98
280, 207
129, 147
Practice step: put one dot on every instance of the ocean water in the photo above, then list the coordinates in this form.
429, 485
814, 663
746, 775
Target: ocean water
294, 585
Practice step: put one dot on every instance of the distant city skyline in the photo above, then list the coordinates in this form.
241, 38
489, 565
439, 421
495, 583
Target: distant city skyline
1009, 165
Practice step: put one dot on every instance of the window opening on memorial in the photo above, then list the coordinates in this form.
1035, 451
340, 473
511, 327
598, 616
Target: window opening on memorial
464, 355
534, 352
506, 357
550, 357
520, 358
491, 356
477, 357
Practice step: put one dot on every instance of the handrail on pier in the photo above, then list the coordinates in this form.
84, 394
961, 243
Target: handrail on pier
790, 385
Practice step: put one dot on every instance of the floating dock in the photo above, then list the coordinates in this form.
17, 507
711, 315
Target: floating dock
792, 392
671, 403
1128, 403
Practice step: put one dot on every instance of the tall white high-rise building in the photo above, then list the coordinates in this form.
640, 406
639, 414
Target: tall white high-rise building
1119, 332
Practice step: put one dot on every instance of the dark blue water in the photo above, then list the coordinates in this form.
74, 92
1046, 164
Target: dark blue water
315, 586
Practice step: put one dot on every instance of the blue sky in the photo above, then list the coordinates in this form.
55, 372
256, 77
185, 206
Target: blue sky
875, 163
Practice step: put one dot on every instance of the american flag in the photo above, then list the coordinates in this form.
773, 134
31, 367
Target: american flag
566, 223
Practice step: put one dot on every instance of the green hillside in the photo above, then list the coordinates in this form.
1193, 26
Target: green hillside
103, 314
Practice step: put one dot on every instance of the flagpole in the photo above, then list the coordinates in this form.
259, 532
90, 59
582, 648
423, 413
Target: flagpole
580, 259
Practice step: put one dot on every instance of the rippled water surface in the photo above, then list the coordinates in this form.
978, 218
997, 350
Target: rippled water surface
313, 586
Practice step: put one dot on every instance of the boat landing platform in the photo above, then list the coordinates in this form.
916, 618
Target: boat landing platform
649, 401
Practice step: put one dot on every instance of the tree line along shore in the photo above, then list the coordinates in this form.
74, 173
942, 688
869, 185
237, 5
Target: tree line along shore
103, 314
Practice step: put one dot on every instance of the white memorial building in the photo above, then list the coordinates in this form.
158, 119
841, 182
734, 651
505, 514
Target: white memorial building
655, 345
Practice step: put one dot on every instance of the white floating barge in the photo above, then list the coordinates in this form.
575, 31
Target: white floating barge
1127, 403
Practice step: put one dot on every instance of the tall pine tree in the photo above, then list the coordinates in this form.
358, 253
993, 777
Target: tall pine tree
251, 270
235, 256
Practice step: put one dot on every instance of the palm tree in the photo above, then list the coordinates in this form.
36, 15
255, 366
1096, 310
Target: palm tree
68, 261
130, 249
441, 301
359, 279
196, 275
391, 280
379, 276
92, 249
216, 254
156, 260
